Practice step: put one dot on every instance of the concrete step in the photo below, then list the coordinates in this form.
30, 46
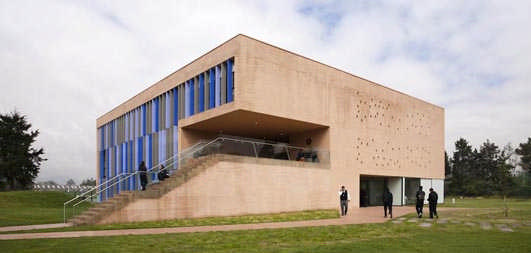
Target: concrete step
190, 169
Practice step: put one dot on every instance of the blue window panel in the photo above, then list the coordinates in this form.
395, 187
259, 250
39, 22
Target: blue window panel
175, 106
167, 110
109, 159
162, 149
155, 113
218, 85
117, 167
143, 120
126, 127
230, 82
131, 162
124, 164
137, 124
176, 145
112, 133
102, 140
186, 99
102, 170
160, 154
212, 88
149, 148
139, 159
191, 97
116, 134
131, 126
201, 95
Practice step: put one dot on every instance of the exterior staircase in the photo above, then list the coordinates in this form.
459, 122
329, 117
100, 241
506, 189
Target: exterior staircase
190, 169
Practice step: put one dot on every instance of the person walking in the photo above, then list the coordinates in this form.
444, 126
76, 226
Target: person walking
143, 175
388, 202
420, 201
432, 202
344, 198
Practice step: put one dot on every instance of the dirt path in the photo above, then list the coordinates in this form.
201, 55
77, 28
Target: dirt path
355, 216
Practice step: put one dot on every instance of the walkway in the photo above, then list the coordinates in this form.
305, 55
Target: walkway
356, 216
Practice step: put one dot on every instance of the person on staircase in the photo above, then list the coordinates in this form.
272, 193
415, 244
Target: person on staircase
143, 175
163, 173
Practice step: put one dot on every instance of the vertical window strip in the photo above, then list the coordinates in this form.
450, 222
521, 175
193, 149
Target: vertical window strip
201, 93
212, 89
182, 99
112, 133
196, 94
155, 115
191, 97
206, 89
126, 127
168, 109
149, 150
230, 81
218, 86
117, 161
175, 107
223, 84
187, 99
175, 144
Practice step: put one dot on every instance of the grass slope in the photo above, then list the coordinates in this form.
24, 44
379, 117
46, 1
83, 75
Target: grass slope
29, 207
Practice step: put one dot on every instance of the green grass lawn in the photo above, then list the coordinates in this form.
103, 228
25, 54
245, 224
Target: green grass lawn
486, 203
386, 237
29, 207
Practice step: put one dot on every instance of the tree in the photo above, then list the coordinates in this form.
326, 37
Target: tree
70, 182
462, 163
19, 160
88, 182
524, 151
447, 166
485, 170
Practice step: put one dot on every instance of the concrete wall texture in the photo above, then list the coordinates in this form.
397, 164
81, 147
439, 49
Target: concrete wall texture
236, 187
369, 130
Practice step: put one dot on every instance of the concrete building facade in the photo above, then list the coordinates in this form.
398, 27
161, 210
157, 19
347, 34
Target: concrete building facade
373, 136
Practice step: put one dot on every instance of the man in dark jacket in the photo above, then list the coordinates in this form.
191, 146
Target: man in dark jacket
432, 200
420, 201
388, 202
143, 175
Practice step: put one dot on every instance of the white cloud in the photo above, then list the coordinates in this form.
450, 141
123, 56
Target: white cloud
65, 63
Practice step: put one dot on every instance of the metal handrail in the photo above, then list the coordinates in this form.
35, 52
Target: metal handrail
183, 155
115, 177
180, 156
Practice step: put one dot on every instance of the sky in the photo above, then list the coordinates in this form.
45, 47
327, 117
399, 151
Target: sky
64, 63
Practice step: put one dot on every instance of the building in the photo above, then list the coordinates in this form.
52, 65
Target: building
267, 102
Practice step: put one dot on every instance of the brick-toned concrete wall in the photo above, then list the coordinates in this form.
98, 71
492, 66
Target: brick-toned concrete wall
239, 186
373, 130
